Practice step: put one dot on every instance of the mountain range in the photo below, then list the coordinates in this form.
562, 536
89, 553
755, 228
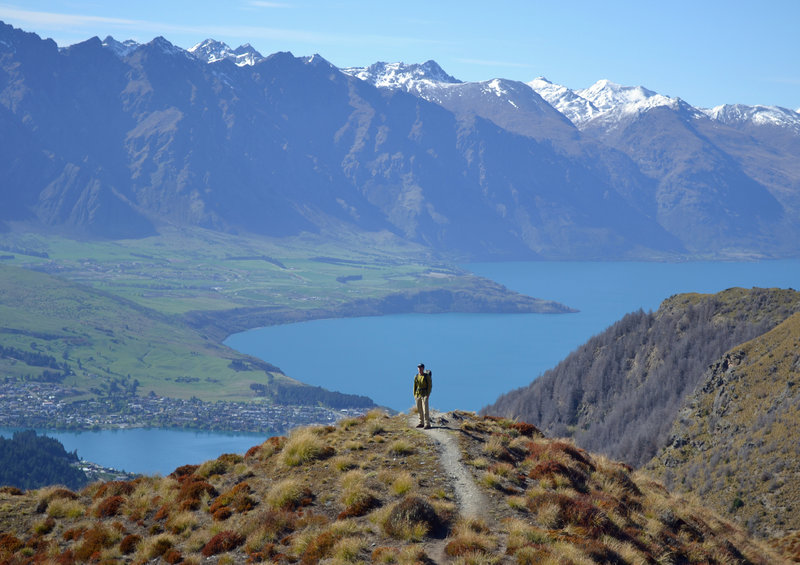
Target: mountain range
116, 139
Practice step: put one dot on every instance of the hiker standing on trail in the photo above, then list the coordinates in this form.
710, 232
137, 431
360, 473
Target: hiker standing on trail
422, 392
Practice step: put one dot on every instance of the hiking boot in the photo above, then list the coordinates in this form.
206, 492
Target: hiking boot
420, 425
427, 426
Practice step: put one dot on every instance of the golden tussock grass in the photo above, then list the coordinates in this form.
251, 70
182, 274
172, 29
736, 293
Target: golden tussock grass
288, 494
400, 447
304, 445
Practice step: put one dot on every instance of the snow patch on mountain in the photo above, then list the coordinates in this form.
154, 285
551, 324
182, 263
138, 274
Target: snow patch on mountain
120, 48
606, 101
740, 114
576, 108
212, 51
400, 76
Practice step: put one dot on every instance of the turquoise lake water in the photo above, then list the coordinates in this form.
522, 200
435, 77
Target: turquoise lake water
474, 357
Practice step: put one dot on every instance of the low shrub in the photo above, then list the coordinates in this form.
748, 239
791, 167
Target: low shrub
411, 518
9, 544
236, 499
526, 429
222, 514
109, 506
129, 544
158, 546
222, 542
183, 472
13, 491
275, 524
192, 491
319, 547
94, 540
115, 488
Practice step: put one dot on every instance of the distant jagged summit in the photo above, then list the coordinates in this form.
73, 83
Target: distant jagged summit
738, 115
212, 51
120, 48
399, 75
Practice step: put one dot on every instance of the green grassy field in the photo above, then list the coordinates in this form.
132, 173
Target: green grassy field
185, 270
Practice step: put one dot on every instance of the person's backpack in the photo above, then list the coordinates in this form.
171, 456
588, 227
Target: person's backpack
428, 380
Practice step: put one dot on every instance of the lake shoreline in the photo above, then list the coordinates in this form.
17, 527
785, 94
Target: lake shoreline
488, 297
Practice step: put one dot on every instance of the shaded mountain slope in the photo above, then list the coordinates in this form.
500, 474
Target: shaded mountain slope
735, 443
621, 391
373, 489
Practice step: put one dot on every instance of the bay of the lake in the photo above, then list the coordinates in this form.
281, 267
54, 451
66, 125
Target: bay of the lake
477, 357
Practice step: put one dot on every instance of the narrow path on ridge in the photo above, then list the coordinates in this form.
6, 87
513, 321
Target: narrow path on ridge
471, 501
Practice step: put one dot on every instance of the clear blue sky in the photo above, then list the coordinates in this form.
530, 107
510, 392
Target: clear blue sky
707, 52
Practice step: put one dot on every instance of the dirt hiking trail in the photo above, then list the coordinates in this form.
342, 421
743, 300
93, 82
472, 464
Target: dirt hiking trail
471, 501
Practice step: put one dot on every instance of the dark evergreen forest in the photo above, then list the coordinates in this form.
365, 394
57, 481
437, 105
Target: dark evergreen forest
29, 461
620, 392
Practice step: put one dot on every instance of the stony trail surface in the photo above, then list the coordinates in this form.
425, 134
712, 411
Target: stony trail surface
472, 502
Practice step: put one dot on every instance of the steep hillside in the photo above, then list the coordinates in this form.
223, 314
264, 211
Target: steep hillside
620, 392
735, 443
374, 489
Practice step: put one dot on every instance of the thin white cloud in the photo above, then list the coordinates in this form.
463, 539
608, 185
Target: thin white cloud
60, 22
264, 4
56, 19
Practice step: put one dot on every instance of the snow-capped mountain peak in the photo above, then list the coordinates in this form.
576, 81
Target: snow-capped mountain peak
400, 75
607, 95
576, 108
739, 115
212, 51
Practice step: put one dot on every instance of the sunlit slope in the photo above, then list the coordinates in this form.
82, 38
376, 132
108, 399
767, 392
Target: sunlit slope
735, 443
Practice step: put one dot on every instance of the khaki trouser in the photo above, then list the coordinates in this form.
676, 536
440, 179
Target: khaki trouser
424, 411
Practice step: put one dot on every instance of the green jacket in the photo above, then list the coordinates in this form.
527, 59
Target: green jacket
423, 384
